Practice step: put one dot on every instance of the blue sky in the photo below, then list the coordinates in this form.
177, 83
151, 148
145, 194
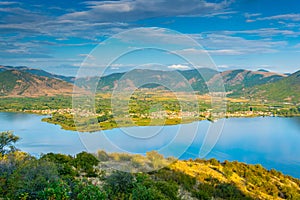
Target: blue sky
58, 35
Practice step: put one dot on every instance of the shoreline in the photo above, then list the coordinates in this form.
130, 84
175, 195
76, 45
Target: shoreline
168, 122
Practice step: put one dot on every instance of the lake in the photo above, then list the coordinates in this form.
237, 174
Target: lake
273, 142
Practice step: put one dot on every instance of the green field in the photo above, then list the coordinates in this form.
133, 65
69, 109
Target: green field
142, 108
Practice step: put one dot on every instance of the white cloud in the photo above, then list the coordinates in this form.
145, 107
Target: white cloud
7, 3
248, 15
86, 64
263, 32
223, 66
156, 36
110, 6
225, 15
115, 68
178, 66
234, 45
250, 20
125, 10
192, 51
223, 43
292, 17
225, 52
87, 56
297, 45
122, 65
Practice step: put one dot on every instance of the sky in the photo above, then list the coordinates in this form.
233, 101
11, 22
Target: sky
62, 36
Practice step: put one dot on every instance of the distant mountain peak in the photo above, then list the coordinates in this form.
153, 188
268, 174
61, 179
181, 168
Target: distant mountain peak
38, 72
263, 70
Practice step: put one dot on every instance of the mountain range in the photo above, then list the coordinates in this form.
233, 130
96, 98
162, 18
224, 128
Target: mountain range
24, 81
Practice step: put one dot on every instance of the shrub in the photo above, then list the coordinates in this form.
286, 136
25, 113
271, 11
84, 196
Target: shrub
102, 155
119, 182
56, 190
91, 192
141, 192
32, 178
86, 162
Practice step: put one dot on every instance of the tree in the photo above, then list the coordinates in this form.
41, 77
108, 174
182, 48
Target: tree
63, 163
119, 184
86, 162
31, 178
141, 192
7, 140
91, 192
55, 190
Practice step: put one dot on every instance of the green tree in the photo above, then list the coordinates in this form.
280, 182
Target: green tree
7, 140
31, 178
119, 184
91, 192
56, 190
141, 192
169, 189
63, 163
85, 161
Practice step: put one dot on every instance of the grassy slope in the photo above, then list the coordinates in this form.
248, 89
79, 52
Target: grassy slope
236, 80
286, 89
204, 179
252, 180
20, 83
7, 82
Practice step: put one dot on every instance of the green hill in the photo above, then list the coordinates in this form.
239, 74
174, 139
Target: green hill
286, 89
237, 80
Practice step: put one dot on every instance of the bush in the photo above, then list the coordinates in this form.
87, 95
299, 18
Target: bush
63, 163
156, 159
169, 189
202, 195
85, 161
214, 162
91, 192
102, 155
119, 183
32, 178
138, 160
227, 172
56, 190
141, 192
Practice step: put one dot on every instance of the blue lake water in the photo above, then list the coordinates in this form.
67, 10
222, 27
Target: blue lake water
273, 142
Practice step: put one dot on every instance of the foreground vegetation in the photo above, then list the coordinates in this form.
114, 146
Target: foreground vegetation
86, 176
